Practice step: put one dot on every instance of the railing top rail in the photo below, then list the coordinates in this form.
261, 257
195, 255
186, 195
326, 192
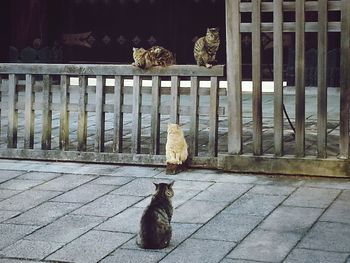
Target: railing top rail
109, 70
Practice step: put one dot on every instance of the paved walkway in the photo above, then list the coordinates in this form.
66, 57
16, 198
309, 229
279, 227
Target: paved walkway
67, 212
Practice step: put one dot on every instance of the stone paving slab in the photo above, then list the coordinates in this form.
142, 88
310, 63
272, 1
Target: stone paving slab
262, 245
328, 236
70, 212
31, 249
133, 256
312, 256
291, 219
91, 247
44, 214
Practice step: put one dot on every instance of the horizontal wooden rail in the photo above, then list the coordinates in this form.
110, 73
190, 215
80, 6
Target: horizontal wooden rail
109, 70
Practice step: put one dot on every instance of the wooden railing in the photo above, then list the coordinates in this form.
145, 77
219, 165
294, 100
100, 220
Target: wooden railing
91, 119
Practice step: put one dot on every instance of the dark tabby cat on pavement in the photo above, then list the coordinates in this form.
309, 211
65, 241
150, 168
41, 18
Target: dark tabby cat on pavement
155, 229
155, 56
206, 47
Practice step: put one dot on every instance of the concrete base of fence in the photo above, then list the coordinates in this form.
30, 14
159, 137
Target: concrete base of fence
289, 165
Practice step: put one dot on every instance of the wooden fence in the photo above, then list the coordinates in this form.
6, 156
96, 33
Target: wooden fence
126, 123
42, 91
278, 162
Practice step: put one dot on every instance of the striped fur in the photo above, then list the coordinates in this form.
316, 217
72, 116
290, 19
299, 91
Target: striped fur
206, 47
155, 229
155, 56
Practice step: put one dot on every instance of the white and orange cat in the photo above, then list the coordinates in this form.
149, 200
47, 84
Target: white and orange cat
176, 146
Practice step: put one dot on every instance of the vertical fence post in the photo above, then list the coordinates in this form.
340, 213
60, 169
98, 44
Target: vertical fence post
194, 117
64, 114
82, 115
300, 78
118, 115
136, 116
155, 119
322, 79
12, 112
278, 75
100, 115
213, 117
29, 113
46, 114
1, 101
174, 115
256, 74
234, 76
344, 80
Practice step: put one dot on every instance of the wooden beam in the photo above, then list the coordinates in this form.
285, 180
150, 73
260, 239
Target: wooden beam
234, 76
193, 145
256, 75
278, 77
100, 115
344, 80
136, 117
213, 117
155, 118
82, 114
46, 114
12, 112
109, 70
29, 113
300, 78
118, 115
64, 114
175, 99
322, 50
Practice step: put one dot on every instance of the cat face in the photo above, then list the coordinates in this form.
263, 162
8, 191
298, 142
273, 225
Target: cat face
165, 189
212, 33
138, 54
173, 128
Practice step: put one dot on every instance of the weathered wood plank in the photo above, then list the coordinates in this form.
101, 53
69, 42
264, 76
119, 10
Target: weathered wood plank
289, 6
256, 76
118, 115
288, 165
12, 113
234, 76
29, 113
278, 77
175, 97
213, 117
155, 118
145, 109
322, 79
136, 117
291, 27
46, 114
109, 70
100, 115
344, 81
64, 114
82, 114
300, 78
193, 144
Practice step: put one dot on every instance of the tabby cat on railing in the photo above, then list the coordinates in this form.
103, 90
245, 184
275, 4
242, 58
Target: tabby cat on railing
206, 47
154, 56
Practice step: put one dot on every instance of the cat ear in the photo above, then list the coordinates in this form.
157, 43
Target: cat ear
172, 183
156, 185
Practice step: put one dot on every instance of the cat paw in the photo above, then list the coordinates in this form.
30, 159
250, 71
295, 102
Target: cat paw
208, 65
